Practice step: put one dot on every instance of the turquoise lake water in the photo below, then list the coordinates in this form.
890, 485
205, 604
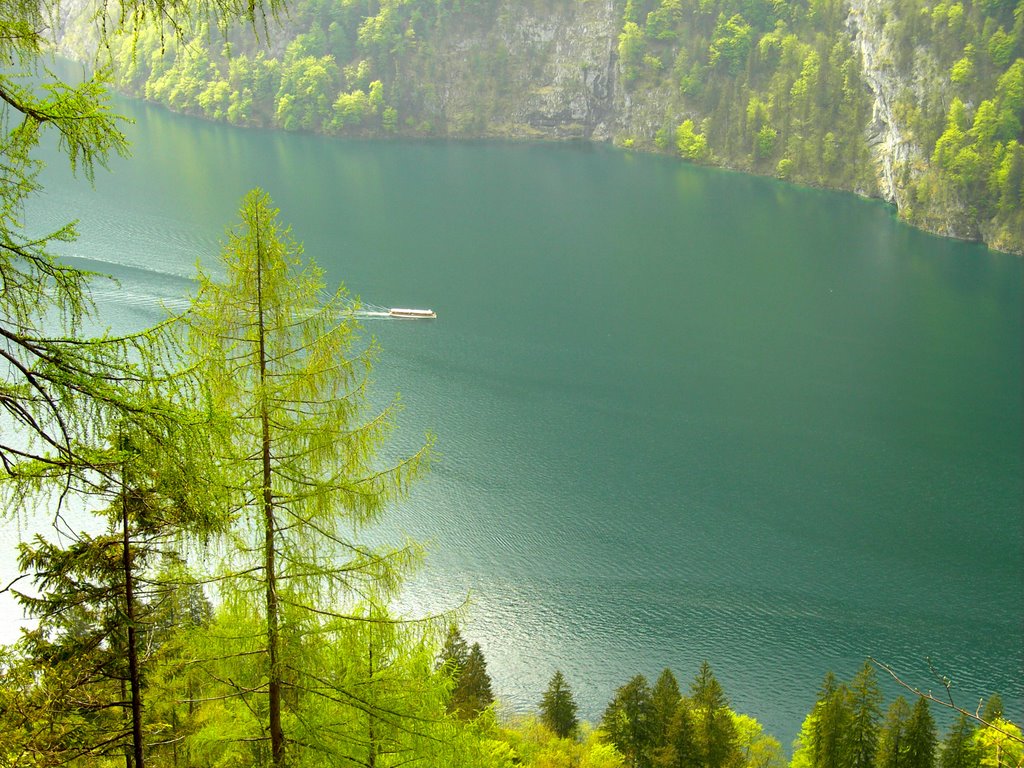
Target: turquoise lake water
681, 413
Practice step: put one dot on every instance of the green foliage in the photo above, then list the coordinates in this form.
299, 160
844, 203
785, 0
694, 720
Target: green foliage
731, 43
280, 356
921, 737
466, 668
865, 700
691, 144
472, 692
533, 745
717, 738
959, 749
557, 707
892, 745
631, 50
770, 86
1001, 744
832, 725
628, 721
679, 747
665, 699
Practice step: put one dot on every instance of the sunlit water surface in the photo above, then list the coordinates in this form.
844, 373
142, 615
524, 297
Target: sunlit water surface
682, 414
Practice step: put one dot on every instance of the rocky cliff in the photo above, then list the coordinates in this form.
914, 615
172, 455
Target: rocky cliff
879, 97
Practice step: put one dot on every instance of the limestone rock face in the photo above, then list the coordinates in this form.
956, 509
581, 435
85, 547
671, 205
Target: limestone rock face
531, 71
892, 151
550, 69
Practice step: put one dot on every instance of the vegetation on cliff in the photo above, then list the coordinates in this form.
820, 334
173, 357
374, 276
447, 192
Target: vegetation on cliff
765, 86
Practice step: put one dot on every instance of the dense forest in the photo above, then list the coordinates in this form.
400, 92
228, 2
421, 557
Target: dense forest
920, 102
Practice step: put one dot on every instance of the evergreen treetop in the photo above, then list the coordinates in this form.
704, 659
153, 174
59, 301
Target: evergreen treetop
558, 708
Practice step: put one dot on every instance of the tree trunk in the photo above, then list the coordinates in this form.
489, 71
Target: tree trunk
133, 651
276, 731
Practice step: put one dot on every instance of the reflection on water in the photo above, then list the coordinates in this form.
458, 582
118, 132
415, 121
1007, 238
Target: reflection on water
682, 414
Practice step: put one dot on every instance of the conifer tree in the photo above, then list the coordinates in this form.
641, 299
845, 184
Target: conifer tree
921, 737
628, 721
832, 726
454, 653
665, 697
558, 708
59, 387
100, 593
993, 708
281, 356
865, 700
958, 748
472, 693
716, 734
892, 744
681, 749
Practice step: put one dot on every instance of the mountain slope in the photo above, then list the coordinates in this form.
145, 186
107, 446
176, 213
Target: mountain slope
916, 101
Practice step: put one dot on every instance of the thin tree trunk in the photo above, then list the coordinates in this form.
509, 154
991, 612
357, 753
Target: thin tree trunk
276, 731
127, 748
133, 652
372, 758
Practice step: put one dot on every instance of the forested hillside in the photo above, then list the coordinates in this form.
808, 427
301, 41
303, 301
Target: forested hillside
920, 102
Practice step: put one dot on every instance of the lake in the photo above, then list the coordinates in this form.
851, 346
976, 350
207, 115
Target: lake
682, 414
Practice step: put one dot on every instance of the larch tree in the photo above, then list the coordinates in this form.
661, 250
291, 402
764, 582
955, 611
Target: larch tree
283, 358
59, 387
64, 389
558, 708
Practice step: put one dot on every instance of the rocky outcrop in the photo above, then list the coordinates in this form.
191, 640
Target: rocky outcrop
549, 69
531, 72
893, 152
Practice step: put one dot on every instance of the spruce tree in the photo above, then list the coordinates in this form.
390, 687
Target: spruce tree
716, 734
665, 697
454, 653
681, 749
558, 708
959, 749
832, 726
282, 357
921, 737
892, 744
628, 721
99, 594
865, 699
472, 693
993, 708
